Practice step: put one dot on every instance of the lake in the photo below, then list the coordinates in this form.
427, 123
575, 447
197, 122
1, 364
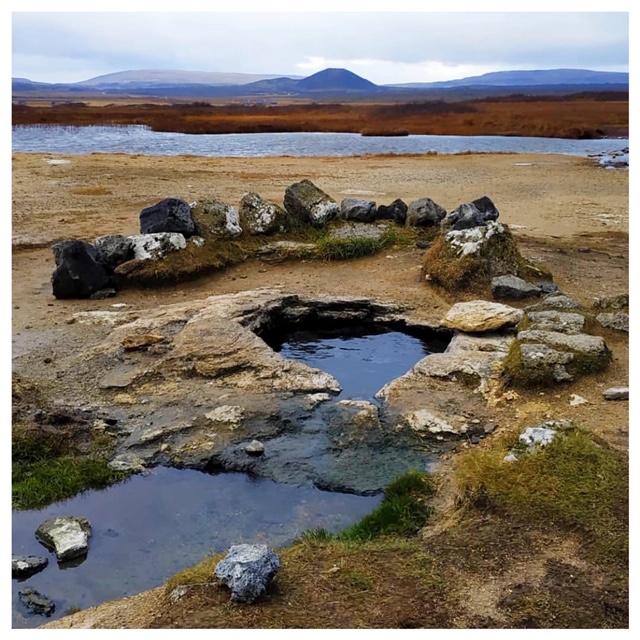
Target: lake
138, 139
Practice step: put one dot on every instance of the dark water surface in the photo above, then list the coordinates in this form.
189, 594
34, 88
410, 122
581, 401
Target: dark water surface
140, 139
150, 527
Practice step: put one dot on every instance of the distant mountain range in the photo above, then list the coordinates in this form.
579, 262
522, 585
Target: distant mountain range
328, 83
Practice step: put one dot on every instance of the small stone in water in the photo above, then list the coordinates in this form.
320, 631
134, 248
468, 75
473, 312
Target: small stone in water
255, 448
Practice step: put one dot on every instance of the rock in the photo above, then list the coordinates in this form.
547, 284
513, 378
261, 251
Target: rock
112, 251
360, 413
304, 201
424, 420
77, 274
255, 448
555, 301
612, 303
248, 570
133, 343
548, 287
618, 321
358, 210
226, 414
581, 343
154, 246
542, 359
257, 216
480, 316
562, 321
170, 215
511, 287
471, 214
616, 393
396, 211
68, 537
36, 602
25, 566
358, 230
283, 249
424, 213
103, 294
127, 462
539, 436
213, 219
575, 400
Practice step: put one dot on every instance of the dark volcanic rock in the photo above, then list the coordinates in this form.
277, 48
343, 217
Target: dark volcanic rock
396, 211
424, 213
306, 202
78, 274
358, 210
168, 215
471, 214
112, 251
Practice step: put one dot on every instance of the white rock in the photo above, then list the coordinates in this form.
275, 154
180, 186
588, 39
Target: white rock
481, 316
153, 246
575, 400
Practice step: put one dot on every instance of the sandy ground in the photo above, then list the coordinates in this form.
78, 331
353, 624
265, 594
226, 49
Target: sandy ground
567, 214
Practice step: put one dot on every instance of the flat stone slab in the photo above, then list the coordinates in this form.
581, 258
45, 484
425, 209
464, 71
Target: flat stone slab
480, 315
555, 301
25, 566
511, 287
552, 320
581, 343
618, 321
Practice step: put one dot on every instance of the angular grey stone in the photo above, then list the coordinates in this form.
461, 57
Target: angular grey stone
306, 202
258, 216
616, 393
358, 210
154, 246
580, 343
548, 287
615, 303
511, 287
618, 321
36, 602
424, 213
537, 436
25, 566
247, 570
170, 215
471, 214
562, 321
68, 536
213, 218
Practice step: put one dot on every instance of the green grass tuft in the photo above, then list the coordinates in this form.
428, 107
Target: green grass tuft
350, 248
35, 485
575, 483
402, 512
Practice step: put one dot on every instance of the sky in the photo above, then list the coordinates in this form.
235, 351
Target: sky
382, 46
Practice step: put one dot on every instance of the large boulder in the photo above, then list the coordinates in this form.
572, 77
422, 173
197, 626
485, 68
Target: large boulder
68, 536
470, 258
396, 211
306, 202
478, 316
215, 219
77, 274
259, 216
358, 210
424, 213
170, 215
112, 251
247, 570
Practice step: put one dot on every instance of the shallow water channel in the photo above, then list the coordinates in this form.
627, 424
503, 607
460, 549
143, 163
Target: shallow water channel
152, 526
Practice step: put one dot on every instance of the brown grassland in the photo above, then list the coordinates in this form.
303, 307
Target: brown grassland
576, 116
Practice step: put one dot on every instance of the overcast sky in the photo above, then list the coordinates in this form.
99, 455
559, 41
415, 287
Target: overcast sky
382, 47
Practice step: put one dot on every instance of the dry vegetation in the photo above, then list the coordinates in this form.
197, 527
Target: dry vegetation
579, 116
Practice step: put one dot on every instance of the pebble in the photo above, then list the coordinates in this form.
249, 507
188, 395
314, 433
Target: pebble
255, 448
616, 393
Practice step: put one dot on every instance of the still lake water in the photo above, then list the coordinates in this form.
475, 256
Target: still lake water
138, 139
